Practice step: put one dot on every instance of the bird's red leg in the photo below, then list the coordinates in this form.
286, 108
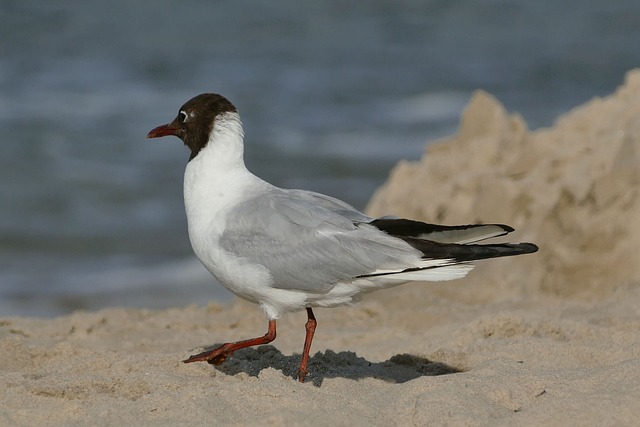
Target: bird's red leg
310, 326
220, 354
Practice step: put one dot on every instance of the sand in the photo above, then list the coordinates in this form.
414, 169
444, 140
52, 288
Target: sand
545, 339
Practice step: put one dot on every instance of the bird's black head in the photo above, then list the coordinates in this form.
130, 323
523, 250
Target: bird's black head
194, 121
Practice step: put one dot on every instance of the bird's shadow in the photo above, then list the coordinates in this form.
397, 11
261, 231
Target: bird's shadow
398, 369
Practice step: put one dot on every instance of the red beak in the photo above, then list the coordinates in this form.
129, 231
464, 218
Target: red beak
163, 130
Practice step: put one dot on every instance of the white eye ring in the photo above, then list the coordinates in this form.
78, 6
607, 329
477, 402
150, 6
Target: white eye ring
186, 116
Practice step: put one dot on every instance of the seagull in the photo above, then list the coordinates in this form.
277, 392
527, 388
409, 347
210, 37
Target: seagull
288, 250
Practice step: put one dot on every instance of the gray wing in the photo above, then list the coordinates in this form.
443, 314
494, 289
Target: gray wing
399, 227
309, 242
334, 205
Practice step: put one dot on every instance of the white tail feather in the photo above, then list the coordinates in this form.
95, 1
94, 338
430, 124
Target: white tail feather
449, 272
434, 270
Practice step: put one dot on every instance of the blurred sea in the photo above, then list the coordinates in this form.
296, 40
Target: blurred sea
332, 95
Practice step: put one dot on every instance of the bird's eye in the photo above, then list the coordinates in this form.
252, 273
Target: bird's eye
184, 116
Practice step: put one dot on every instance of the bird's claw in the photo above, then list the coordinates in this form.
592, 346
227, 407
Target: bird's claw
213, 357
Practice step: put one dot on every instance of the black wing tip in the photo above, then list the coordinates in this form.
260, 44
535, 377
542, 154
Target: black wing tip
401, 227
527, 248
506, 228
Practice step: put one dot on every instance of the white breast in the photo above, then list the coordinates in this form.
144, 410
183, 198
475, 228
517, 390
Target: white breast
214, 182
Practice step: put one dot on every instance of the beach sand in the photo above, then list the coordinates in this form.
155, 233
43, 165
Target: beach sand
546, 339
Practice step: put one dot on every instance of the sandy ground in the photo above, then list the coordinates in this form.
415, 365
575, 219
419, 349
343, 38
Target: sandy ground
403, 357
545, 339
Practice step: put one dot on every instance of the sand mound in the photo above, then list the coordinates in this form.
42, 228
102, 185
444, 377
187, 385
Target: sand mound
572, 189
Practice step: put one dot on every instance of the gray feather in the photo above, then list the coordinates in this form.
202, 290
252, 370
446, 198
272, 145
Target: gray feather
309, 242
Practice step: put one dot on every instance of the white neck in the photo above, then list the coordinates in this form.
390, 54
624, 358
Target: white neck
216, 178
225, 147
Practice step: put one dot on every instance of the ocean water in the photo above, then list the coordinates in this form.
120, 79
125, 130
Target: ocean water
332, 95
